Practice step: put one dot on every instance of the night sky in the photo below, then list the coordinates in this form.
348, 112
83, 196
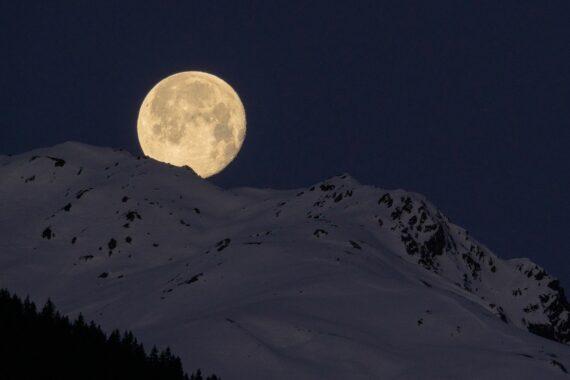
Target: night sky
465, 102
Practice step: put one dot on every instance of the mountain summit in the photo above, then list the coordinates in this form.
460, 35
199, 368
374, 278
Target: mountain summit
335, 281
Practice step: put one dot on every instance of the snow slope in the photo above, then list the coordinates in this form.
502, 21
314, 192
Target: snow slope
336, 281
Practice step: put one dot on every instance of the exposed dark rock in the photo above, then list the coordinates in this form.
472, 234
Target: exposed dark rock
132, 215
555, 285
473, 265
319, 232
436, 244
410, 244
112, 244
407, 204
194, 278
540, 275
354, 244
319, 203
386, 199
48, 233
502, 314
555, 307
530, 308
556, 363
396, 214
58, 162
80, 193
545, 331
222, 244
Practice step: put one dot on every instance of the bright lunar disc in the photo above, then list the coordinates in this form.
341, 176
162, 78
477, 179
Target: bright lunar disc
192, 118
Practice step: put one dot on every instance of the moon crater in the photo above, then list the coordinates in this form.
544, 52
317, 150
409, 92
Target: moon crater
192, 118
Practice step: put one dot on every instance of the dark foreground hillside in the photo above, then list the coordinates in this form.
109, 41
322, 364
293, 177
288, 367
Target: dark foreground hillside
45, 345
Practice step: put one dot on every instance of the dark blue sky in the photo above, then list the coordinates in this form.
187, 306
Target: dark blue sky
466, 102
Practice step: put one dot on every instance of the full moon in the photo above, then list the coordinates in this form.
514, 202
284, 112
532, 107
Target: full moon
192, 118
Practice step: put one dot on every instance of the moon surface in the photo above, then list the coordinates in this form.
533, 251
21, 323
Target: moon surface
192, 118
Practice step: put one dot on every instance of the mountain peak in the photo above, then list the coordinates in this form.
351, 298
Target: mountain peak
299, 280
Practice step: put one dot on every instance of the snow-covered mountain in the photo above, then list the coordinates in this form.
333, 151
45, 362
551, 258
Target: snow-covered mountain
335, 281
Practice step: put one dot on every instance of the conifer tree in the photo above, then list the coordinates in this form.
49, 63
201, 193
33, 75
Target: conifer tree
53, 347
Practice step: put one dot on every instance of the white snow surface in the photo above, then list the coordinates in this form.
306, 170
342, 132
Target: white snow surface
315, 283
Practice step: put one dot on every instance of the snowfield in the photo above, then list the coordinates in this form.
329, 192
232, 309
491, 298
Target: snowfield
335, 281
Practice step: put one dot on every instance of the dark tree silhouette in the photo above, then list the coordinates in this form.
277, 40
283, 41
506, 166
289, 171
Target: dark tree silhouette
46, 345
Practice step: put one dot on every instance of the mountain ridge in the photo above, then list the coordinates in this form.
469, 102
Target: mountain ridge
107, 222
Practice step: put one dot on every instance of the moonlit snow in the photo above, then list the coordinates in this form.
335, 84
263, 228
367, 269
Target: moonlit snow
334, 281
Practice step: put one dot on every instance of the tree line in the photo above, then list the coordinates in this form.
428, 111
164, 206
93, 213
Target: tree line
43, 344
